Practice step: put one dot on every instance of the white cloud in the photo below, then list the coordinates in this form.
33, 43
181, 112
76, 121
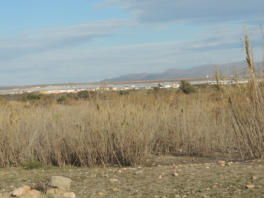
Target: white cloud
192, 10
47, 39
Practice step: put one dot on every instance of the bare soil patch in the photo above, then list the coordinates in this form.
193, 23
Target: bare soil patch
164, 176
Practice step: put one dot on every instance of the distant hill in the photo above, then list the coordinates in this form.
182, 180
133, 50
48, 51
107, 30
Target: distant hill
195, 72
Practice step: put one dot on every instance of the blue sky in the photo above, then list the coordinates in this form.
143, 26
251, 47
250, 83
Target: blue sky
63, 41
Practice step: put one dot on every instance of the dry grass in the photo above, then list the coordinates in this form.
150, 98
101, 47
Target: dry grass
248, 113
121, 129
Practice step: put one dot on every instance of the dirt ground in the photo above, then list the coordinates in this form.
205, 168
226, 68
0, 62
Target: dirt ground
160, 176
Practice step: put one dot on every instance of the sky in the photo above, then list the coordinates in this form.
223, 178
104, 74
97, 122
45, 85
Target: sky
66, 41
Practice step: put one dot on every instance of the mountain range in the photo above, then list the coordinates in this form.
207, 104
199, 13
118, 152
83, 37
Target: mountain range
202, 71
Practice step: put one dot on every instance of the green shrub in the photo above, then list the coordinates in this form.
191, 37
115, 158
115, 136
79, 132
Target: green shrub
156, 89
186, 87
31, 164
83, 94
33, 96
124, 92
62, 100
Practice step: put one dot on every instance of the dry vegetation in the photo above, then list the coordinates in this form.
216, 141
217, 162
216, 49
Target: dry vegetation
123, 128
248, 114
117, 129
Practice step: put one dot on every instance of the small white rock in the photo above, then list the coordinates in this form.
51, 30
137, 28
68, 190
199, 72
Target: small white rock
32, 194
250, 186
20, 191
221, 163
113, 180
60, 182
254, 177
69, 195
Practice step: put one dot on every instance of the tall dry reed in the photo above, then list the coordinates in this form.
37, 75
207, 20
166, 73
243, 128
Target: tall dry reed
122, 129
248, 113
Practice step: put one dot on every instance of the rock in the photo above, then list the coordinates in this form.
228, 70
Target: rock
175, 174
55, 191
221, 163
32, 194
250, 186
60, 182
101, 194
93, 175
139, 172
69, 195
254, 177
115, 189
113, 180
20, 191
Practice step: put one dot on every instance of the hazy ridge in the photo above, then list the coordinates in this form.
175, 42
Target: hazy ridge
195, 72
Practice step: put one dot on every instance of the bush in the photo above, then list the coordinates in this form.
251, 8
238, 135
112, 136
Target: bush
33, 96
31, 164
156, 89
62, 100
124, 92
83, 94
186, 87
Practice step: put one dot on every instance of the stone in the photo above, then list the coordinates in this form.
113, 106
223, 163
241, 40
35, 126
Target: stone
60, 182
20, 191
221, 163
139, 172
113, 180
175, 174
32, 194
69, 195
55, 191
115, 189
93, 175
101, 194
250, 186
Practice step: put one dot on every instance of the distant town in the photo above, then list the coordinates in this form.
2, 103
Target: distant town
111, 86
